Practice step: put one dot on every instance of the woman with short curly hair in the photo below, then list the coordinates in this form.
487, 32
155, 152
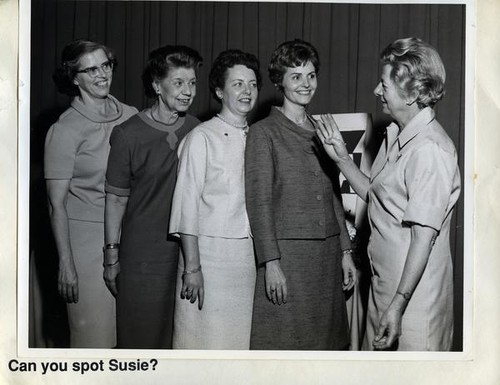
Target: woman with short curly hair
297, 219
411, 192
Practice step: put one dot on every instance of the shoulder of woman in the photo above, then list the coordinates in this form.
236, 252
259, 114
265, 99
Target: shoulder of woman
437, 139
264, 126
192, 120
434, 152
129, 111
70, 123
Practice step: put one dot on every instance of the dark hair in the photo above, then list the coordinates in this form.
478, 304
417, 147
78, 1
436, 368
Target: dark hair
416, 67
65, 74
291, 54
228, 59
165, 58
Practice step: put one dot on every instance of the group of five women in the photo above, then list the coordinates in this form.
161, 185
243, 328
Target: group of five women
221, 236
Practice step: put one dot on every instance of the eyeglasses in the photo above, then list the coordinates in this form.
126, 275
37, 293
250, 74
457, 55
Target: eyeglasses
94, 71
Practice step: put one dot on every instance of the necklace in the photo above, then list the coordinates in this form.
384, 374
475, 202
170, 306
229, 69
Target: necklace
300, 123
174, 115
245, 125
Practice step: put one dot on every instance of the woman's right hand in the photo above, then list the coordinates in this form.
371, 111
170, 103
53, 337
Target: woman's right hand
67, 284
331, 138
276, 288
193, 288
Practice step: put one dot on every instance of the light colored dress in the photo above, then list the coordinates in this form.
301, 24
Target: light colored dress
76, 148
415, 180
209, 202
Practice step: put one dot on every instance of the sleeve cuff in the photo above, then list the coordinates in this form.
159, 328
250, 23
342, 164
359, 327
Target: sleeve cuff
125, 192
267, 250
58, 174
425, 215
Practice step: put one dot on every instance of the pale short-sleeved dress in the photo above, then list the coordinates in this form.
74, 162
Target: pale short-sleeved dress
209, 202
76, 148
414, 180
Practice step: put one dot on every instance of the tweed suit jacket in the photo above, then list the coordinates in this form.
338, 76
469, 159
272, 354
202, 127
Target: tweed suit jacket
292, 187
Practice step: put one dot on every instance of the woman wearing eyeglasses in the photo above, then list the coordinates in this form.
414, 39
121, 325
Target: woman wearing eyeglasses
140, 181
76, 152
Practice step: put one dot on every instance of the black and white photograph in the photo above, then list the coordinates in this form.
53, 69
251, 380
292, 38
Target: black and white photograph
245, 183
212, 216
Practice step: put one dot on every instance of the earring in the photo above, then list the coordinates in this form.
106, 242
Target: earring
158, 92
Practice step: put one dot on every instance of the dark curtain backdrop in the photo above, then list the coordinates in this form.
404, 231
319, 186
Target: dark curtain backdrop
349, 38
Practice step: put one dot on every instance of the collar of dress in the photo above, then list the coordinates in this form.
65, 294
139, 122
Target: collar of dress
93, 115
412, 129
287, 123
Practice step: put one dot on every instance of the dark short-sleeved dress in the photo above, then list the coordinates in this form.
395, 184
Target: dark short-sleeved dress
295, 213
143, 166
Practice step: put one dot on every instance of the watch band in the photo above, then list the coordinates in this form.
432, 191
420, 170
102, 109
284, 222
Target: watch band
406, 296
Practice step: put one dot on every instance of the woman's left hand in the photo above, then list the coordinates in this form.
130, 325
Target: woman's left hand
193, 288
349, 271
276, 288
389, 329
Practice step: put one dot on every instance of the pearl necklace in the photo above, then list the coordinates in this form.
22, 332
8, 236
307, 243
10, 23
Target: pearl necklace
235, 125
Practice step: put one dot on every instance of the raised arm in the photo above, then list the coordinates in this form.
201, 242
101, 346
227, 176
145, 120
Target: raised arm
334, 145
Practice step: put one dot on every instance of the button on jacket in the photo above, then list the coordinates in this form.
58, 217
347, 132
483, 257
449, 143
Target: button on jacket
292, 187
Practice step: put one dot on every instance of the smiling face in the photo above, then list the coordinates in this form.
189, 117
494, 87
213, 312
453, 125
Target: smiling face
299, 84
393, 102
178, 89
93, 87
240, 92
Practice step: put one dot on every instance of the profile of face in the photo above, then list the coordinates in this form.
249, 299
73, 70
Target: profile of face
94, 76
178, 89
393, 102
240, 91
300, 84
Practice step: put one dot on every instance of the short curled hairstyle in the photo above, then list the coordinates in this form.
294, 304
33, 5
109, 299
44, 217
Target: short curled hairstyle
417, 69
70, 60
291, 54
164, 59
226, 60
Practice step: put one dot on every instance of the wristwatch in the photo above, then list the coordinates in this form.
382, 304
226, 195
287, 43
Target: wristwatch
406, 296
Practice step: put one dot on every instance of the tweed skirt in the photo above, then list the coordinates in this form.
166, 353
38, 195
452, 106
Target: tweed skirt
315, 316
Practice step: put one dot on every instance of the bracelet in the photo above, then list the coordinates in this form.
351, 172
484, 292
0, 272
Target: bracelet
110, 246
111, 264
191, 271
347, 251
